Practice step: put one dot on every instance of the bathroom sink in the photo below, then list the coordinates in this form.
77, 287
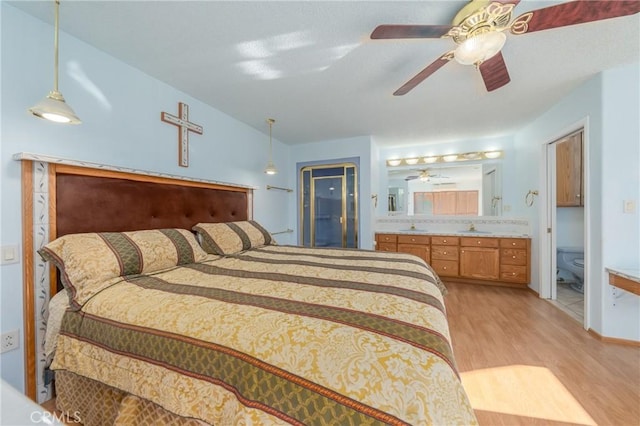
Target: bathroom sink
416, 231
466, 231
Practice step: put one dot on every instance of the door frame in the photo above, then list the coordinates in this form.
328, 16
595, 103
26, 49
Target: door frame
347, 163
547, 216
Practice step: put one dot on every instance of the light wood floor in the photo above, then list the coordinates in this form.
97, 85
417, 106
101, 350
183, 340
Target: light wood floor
525, 362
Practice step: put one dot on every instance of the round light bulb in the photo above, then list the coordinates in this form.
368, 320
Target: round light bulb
479, 48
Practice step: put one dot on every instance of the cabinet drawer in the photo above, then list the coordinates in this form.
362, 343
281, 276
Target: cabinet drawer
386, 238
514, 274
386, 246
413, 239
513, 257
444, 252
445, 241
478, 242
445, 268
519, 243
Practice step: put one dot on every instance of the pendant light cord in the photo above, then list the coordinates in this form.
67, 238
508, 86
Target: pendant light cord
55, 47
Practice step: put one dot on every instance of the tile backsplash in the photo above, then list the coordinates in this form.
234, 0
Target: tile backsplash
445, 224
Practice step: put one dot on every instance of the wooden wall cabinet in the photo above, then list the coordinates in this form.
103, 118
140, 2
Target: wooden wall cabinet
475, 260
569, 176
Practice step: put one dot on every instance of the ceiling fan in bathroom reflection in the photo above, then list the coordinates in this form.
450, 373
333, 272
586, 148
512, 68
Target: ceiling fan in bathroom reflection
425, 176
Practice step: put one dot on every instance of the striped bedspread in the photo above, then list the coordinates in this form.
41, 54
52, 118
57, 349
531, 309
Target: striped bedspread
277, 335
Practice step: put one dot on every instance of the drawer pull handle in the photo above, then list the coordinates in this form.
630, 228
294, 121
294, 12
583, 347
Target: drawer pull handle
413, 239
479, 242
444, 252
513, 273
513, 257
444, 267
444, 241
513, 244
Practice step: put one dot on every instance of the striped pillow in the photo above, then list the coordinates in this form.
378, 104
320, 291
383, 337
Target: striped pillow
91, 262
232, 237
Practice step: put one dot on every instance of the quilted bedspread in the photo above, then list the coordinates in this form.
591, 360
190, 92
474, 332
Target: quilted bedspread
276, 335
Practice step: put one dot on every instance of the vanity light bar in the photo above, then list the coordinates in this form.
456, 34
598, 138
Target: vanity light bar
447, 158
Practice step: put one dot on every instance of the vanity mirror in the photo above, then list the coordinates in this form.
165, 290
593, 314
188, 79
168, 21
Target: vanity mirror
445, 189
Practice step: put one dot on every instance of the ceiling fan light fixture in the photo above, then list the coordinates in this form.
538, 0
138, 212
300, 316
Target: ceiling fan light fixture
479, 48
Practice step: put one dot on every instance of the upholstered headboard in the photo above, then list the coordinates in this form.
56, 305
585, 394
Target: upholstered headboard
110, 204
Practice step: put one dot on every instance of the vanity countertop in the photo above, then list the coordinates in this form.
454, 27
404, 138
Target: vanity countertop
472, 234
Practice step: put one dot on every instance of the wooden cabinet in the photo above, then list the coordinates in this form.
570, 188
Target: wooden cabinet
446, 203
387, 242
415, 244
569, 176
475, 260
514, 260
480, 258
445, 255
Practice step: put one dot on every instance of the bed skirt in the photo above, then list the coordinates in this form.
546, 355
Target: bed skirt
96, 404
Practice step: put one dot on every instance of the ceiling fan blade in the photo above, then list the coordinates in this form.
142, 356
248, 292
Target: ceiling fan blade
411, 177
572, 13
422, 75
494, 72
409, 31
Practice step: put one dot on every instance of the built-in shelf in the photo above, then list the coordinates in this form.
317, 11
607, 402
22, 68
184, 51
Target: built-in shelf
628, 280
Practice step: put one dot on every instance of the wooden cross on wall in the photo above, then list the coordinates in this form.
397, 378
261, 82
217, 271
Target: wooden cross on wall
184, 127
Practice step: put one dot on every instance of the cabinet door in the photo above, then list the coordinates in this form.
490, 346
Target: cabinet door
444, 203
569, 172
467, 203
420, 250
480, 263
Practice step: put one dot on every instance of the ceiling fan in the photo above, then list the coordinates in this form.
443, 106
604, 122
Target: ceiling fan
478, 30
425, 176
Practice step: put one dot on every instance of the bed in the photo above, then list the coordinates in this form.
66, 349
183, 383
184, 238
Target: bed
215, 323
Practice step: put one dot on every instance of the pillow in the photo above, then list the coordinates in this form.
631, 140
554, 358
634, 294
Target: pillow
91, 262
232, 237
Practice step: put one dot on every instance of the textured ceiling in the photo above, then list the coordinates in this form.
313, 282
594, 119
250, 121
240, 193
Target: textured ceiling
312, 67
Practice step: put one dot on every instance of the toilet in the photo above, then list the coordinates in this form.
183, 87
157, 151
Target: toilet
570, 263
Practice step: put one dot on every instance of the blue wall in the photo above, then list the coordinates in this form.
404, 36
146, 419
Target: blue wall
120, 109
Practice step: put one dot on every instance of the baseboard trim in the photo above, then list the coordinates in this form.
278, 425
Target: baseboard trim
615, 340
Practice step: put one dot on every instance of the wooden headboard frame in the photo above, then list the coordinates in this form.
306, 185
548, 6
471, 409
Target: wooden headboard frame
59, 199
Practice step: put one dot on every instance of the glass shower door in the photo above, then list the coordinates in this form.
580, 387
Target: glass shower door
329, 209
328, 205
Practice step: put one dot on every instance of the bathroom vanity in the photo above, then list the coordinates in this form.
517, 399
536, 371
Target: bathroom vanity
472, 258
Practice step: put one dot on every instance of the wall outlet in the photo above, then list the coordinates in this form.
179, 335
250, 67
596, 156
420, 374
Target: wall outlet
9, 341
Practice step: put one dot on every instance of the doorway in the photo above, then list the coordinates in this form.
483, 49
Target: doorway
566, 225
329, 206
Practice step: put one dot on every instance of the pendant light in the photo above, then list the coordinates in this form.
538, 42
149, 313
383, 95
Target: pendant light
271, 168
53, 107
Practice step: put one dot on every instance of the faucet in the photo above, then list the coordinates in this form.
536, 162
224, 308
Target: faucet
413, 226
472, 227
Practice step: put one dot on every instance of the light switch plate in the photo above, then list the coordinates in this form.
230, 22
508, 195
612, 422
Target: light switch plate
629, 206
9, 254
